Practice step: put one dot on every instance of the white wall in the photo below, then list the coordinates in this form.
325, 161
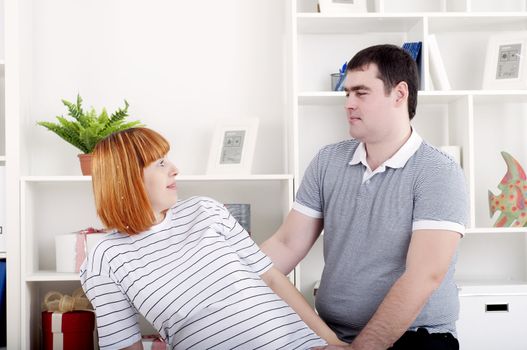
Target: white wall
182, 65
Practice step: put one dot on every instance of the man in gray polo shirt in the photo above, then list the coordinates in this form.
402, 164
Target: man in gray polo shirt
392, 208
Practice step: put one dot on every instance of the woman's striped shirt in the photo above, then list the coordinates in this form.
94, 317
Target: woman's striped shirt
196, 278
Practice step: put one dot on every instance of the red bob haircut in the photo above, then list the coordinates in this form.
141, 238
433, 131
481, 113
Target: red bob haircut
117, 178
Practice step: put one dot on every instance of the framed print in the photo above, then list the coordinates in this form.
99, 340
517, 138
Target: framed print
342, 6
232, 147
505, 61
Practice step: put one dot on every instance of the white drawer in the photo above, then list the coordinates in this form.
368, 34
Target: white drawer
493, 322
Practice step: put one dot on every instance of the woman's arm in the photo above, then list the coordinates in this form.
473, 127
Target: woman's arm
285, 290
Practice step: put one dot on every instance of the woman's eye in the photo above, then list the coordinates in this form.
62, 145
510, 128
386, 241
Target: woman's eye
162, 162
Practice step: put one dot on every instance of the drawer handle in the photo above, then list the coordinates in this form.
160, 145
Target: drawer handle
496, 307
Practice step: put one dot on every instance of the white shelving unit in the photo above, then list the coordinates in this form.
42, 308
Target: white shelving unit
234, 69
492, 265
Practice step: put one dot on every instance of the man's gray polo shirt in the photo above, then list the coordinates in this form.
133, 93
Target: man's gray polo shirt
369, 218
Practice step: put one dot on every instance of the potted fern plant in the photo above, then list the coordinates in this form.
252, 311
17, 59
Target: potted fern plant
86, 128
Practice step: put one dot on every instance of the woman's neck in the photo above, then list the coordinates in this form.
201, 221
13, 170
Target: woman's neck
159, 217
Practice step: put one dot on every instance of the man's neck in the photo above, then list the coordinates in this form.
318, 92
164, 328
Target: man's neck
379, 152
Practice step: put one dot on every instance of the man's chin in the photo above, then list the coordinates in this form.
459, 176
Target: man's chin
355, 134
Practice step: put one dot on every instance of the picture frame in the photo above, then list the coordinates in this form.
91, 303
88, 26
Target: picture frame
232, 147
505, 63
343, 6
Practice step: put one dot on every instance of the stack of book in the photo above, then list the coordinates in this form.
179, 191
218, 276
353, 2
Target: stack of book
414, 49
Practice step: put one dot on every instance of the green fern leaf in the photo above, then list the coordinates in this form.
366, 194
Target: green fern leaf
66, 134
86, 127
74, 110
118, 115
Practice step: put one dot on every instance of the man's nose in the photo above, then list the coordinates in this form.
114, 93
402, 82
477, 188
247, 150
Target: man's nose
350, 102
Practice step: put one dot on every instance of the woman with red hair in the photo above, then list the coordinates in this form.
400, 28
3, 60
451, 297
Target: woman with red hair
186, 265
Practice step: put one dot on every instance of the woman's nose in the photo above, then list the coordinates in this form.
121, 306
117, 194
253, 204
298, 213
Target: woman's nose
173, 169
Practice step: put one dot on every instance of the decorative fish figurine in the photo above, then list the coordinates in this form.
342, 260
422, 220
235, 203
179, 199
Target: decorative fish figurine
512, 202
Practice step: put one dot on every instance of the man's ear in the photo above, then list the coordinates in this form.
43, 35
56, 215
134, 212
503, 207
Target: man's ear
401, 92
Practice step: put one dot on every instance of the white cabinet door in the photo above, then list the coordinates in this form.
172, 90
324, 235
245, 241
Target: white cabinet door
493, 322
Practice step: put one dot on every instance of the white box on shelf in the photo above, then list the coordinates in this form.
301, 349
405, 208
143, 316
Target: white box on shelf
71, 249
488, 322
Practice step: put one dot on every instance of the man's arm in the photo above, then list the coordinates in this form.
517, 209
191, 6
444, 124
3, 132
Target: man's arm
427, 263
290, 244
285, 290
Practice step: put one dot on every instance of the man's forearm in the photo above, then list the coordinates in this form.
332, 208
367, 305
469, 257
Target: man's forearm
290, 244
278, 252
395, 315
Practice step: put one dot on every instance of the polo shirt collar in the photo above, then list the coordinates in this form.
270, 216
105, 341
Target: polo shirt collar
398, 160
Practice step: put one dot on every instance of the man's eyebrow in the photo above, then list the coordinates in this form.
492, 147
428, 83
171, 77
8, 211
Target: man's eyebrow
357, 87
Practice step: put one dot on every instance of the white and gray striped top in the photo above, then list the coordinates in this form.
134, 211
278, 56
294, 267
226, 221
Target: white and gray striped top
195, 278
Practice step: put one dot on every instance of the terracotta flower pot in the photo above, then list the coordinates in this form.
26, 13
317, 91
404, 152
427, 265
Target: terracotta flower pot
85, 160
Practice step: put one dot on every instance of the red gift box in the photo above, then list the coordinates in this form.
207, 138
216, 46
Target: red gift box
69, 331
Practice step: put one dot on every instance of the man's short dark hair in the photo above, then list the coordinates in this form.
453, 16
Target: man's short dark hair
394, 65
